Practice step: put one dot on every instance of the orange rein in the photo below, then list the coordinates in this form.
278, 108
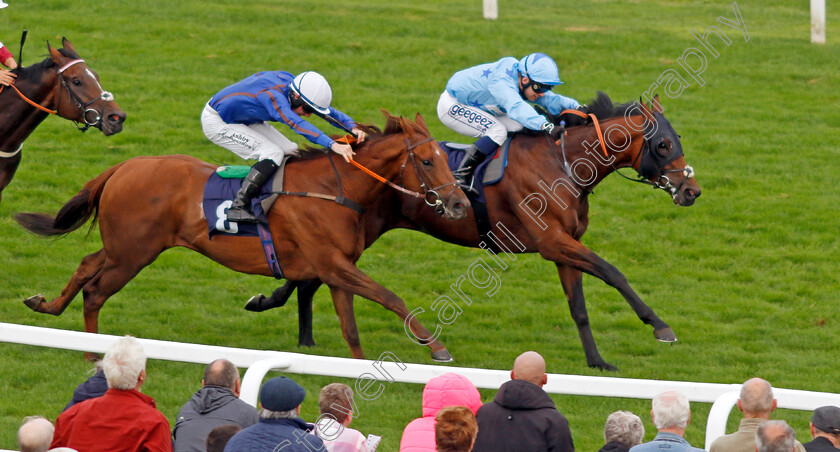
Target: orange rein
38, 106
597, 126
350, 139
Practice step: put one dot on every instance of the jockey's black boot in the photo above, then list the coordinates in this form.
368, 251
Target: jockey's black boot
473, 156
240, 211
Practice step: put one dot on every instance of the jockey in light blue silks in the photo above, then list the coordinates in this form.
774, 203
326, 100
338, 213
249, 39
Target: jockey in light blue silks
490, 100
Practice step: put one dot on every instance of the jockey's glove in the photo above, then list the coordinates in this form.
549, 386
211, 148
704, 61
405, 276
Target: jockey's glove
552, 130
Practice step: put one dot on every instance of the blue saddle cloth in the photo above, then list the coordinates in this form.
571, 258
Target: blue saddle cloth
489, 171
219, 194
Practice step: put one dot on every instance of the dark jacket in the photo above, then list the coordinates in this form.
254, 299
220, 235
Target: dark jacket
209, 407
522, 417
614, 446
93, 387
820, 444
271, 435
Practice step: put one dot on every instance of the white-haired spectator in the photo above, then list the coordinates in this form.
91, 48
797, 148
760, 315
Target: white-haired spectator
757, 403
35, 434
671, 414
622, 431
123, 419
774, 436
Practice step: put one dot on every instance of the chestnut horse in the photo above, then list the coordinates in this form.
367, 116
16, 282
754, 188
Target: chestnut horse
62, 85
149, 204
547, 207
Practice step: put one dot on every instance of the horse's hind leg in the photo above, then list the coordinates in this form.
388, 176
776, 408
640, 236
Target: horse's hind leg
90, 266
306, 293
572, 281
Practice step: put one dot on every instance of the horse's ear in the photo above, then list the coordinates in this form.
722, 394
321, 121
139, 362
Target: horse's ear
68, 45
655, 105
55, 54
385, 113
420, 121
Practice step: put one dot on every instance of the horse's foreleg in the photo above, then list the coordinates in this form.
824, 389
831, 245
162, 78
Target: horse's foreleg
351, 279
343, 301
306, 293
8, 166
571, 252
90, 266
572, 281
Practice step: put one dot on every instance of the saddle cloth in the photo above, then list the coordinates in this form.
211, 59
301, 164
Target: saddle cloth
489, 172
220, 191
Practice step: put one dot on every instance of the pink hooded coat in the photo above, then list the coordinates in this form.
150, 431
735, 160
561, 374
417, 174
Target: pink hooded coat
446, 390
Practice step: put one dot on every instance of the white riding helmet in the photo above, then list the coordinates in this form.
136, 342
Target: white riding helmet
313, 89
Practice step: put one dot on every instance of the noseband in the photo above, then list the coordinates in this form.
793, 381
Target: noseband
430, 195
80, 104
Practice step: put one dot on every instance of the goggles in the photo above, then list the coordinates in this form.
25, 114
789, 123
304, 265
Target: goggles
540, 88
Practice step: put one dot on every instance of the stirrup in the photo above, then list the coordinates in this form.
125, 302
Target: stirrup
241, 215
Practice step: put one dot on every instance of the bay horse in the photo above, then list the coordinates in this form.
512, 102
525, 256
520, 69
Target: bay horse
546, 206
62, 85
146, 205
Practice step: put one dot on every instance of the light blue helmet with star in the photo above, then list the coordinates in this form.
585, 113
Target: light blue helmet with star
540, 68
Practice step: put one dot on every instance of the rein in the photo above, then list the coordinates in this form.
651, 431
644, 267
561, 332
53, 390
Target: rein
106, 96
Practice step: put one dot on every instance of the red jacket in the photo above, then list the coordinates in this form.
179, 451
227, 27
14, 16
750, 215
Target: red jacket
118, 421
4, 54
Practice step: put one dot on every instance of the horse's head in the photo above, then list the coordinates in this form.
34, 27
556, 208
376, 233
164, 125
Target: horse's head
80, 96
431, 169
661, 159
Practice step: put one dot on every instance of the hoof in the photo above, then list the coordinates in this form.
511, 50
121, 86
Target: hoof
604, 366
665, 335
254, 304
306, 343
34, 301
442, 356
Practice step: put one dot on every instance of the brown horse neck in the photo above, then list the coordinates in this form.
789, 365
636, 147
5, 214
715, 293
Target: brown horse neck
18, 118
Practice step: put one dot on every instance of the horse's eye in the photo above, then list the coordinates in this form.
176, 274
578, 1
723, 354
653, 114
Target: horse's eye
77, 82
427, 162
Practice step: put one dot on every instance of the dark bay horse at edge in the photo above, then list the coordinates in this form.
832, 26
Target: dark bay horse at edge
62, 85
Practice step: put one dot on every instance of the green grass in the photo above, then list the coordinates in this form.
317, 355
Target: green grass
746, 277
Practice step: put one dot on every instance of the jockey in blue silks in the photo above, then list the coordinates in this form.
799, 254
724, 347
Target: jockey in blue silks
237, 117
490, 100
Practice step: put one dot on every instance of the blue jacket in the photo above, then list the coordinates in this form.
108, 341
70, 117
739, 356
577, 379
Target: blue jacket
666, 442
264, 97
494, 88
269, 435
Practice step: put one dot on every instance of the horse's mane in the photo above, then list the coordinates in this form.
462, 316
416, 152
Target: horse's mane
602, 107
33, 72
373, 132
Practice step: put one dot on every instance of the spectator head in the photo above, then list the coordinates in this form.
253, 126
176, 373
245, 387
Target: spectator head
455, 429
336, 400
222, 372
280, 398
670, 411
35, 435
529, 366
774, 436
756, 399
125, 364
219, 437
826, 419
624, 427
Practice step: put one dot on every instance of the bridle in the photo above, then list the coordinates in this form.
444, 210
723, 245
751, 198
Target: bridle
657, 179
430, 195
80, 104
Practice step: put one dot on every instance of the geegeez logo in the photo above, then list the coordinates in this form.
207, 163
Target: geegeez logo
470, 117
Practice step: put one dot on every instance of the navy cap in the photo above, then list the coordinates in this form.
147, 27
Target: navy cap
281, 394
827, 419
